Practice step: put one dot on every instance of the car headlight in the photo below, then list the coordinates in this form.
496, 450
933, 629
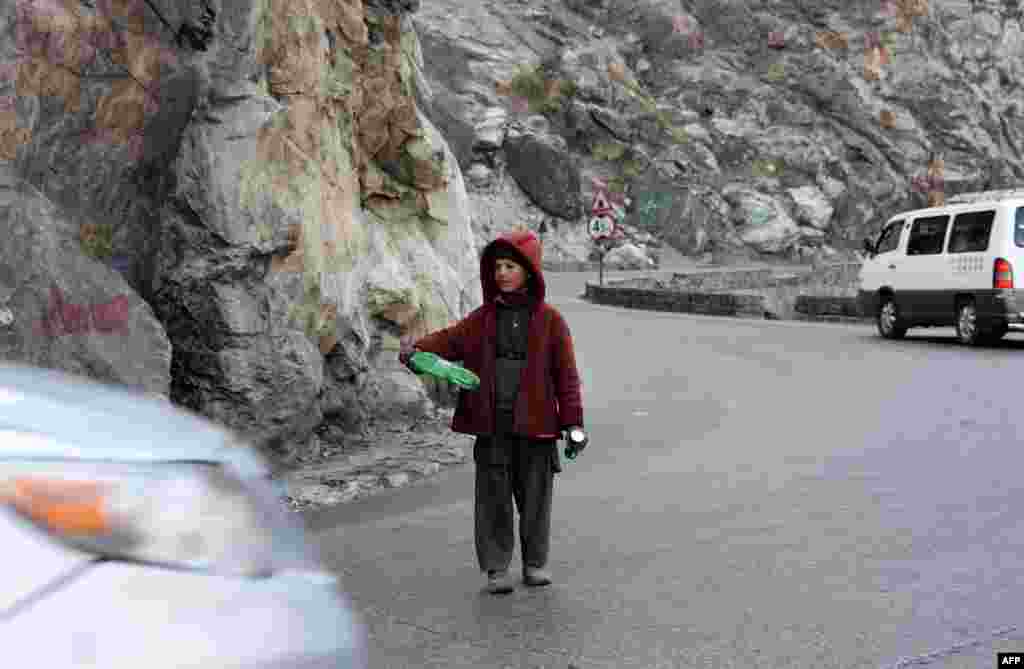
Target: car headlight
183, 514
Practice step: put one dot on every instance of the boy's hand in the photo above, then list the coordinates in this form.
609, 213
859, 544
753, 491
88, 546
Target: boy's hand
405, 349
577, 448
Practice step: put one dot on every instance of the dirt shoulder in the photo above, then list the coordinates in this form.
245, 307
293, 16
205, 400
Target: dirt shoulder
385, 456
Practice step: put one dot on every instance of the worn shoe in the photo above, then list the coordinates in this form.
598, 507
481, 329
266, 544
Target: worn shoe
499, 582
534, 576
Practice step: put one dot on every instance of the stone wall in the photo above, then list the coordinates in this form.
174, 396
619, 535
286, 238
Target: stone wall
829, 282
837, 278
571, 266
585, 266
726, 280
779, 293
717, 304
836, 309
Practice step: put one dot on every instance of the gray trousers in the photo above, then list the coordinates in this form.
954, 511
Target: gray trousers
513, 468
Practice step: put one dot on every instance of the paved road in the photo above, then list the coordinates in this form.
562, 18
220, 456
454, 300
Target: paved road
757, 494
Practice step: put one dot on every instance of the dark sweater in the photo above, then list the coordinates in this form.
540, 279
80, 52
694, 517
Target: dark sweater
511, 342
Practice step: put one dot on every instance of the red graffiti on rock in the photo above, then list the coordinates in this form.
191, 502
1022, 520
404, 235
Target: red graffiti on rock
63, 317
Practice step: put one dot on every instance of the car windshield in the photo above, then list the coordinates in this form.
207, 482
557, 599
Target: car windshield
1018, 228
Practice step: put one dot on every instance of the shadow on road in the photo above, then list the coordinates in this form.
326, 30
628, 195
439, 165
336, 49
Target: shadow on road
950, 341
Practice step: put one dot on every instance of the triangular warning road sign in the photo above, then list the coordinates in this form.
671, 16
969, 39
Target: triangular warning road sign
600, 204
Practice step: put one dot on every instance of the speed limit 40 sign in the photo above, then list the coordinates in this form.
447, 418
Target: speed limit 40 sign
601, 226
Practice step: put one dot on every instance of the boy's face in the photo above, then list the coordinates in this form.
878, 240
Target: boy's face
510, 275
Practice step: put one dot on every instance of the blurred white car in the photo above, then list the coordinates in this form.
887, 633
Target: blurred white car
138, 536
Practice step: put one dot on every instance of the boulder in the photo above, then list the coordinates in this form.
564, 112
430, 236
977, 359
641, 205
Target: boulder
479, 175
612, 122
629, 256
812, 206
763, 226
490, 132
547, 173
61, 309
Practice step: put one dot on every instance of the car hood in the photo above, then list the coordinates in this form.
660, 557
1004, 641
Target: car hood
86, 420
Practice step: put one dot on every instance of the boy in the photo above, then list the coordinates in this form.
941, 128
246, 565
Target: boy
522, 350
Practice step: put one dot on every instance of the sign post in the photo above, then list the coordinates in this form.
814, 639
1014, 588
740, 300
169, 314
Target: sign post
601, 227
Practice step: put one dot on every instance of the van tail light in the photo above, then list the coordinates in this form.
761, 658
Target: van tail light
1002, 274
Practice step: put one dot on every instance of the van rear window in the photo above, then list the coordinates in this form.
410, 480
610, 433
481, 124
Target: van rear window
971, 232
1018, 228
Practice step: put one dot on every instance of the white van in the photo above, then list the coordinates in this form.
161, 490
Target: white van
949, 266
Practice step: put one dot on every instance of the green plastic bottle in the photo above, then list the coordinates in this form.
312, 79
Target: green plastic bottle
430, 363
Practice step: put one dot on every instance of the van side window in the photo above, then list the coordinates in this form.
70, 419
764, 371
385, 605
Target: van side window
890, 237
1018, 227
971, 232
927, 235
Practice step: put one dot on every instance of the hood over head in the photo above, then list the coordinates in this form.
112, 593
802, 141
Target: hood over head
524, 247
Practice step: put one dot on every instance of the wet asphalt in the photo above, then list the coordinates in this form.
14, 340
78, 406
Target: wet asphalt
756, 494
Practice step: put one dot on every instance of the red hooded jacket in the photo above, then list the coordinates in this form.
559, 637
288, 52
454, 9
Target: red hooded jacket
549, 390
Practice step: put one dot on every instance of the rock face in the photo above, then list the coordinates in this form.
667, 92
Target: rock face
262, 177
61, 309
281, 182
827, 118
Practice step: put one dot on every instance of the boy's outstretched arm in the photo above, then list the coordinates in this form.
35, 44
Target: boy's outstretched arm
447, 343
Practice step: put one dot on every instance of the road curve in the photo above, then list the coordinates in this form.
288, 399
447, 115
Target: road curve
757, 494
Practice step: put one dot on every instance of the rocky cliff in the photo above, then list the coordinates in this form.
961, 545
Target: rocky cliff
241, 205
255, 179
746, 129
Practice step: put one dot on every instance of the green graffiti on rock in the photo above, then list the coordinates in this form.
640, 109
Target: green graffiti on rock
408, 63
649, 204
339, 76
97, 240
610, 151
434, 312
303, 24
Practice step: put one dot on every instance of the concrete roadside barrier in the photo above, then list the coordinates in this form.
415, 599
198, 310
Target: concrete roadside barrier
805, 293
744, 304
833, 309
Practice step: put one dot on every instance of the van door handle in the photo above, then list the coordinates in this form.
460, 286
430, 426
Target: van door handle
892, 266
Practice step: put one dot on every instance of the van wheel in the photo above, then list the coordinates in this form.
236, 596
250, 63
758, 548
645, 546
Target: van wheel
888, 320
967, 330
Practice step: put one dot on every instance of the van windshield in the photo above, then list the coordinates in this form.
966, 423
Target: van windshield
1018, 227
